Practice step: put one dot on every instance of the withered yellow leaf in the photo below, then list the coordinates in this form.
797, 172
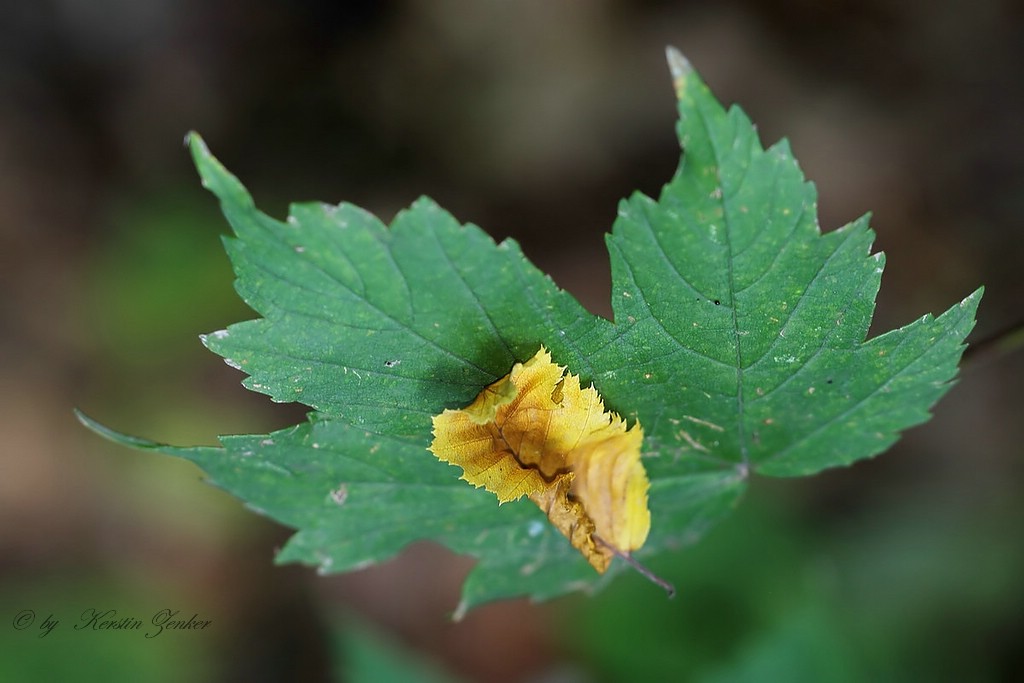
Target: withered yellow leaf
537, 433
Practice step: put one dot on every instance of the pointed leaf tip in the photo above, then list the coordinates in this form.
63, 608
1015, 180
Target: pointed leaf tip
679, 66
215, 177
111, 435
194, 142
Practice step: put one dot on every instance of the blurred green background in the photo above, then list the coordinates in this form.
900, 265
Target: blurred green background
531, 119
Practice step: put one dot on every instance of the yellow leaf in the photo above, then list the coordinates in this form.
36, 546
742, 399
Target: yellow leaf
537, 433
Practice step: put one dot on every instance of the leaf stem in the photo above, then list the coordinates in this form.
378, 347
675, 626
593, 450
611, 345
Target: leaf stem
1009, 338
644, 571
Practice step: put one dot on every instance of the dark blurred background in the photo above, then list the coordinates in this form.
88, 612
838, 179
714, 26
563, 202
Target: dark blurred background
531, 119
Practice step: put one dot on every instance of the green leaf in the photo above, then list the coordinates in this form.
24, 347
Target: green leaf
742, 326
738, 342
378, 326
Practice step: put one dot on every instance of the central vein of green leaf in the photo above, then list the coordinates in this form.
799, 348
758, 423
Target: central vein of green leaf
740, 422
723, 194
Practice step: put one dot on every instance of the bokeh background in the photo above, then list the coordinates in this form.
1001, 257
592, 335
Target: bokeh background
531, 119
